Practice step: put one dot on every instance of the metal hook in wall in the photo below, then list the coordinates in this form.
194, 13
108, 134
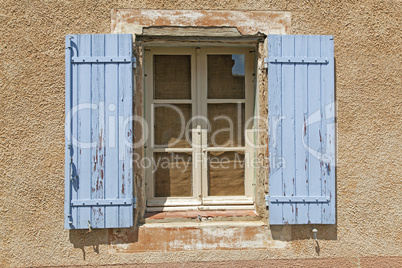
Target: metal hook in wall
317, 246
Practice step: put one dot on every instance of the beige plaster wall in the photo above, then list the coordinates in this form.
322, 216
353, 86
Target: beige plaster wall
368, 92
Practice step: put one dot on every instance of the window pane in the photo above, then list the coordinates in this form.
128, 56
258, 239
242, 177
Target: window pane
227, 125
226, 76
225, 173
173, 174
172, 76
170, 125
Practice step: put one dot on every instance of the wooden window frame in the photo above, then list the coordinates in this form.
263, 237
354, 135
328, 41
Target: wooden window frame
200, 199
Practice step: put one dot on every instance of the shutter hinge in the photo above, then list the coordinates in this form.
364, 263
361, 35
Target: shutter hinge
296, 199
72, 177
103, 202
266, 63
134, 60
70, 219
94, 59
302, 60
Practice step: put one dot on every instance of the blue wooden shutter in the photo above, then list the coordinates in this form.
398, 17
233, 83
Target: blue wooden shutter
301, 129
99, 99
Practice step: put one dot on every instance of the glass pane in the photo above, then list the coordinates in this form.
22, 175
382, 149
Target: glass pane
226, 76
170, 125
225, 173
172, 174
227, 125
172, 76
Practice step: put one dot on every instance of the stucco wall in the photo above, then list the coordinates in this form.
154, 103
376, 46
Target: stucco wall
367, 38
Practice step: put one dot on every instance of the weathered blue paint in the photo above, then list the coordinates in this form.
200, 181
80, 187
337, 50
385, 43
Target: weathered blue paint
95, 59
295, 59
99, 96
68, 145
301, 129
102, 202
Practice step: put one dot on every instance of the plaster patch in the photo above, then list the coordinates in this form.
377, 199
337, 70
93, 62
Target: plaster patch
248, 22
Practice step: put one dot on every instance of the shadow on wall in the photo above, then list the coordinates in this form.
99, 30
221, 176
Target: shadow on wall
302, 232
95, 237
305, 232
84, 238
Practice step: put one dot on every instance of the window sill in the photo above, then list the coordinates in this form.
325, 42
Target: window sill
197, 224
201, 217
190, 236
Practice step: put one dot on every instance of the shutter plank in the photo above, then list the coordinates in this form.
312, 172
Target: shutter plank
74, 137
275, 121
97, 163
125, 83
313, 127
84, 131
68, 100
288, 124
111, 116
301, 153
328, 129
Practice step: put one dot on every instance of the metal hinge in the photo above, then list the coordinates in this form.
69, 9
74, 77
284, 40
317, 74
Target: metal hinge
316, 60
70, 219
101, 60
134, 60
265, 63
72, 177
296, 199
103, 202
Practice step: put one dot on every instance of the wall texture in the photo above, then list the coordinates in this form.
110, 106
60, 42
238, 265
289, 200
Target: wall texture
369, 110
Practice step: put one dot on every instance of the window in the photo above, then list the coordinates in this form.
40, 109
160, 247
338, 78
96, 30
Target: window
199, 102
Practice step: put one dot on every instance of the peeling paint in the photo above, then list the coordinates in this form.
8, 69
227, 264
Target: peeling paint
247, 22
154, 239
122, 185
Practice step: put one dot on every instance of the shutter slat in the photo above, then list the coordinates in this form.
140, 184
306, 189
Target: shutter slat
303, 93
74, 135
101, 91
84, 131
288, 147
68, 145
111, 157
313, 127
124, 104
301, 154
328, 129
97, 163
275, 130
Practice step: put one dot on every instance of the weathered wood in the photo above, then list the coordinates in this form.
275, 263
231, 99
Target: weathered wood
191, 31
98, 101
302, 132
186, 36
